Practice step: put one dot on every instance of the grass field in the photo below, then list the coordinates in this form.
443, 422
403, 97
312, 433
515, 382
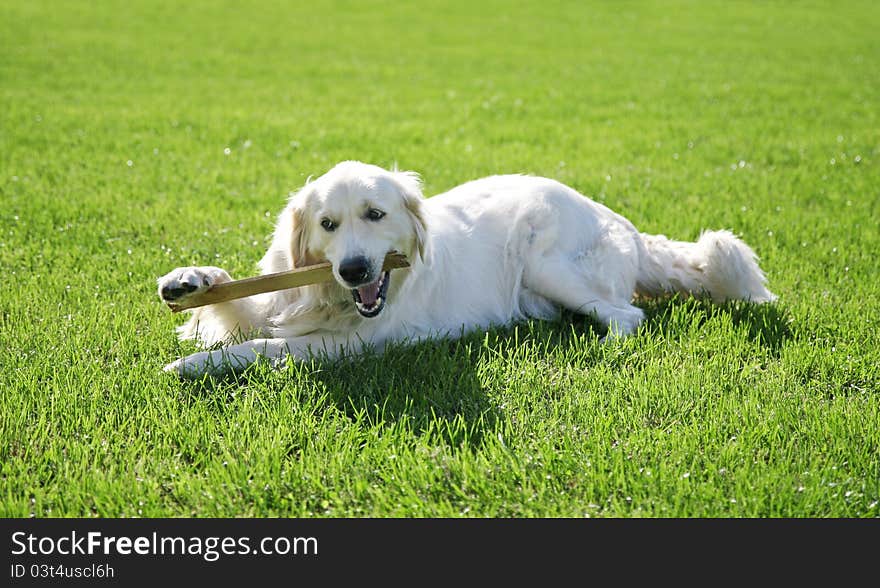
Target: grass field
136, 137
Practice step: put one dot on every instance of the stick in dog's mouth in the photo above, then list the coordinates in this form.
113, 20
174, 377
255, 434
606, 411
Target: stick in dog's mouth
370, 299
295, 278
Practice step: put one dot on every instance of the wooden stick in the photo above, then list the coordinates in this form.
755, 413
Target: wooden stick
303, 276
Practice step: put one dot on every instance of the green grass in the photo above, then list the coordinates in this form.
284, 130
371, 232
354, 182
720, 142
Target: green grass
760, 117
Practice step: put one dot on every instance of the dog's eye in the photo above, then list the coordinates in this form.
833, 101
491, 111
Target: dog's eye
328, 225
375, 214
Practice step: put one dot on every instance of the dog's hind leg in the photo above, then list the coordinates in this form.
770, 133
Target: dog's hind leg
564, 282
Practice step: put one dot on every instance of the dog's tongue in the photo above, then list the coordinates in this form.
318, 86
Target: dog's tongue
369, 293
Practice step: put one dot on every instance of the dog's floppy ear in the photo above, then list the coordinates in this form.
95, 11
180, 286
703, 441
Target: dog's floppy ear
411, 187
289, 248
298, 236
289, 239
298, 239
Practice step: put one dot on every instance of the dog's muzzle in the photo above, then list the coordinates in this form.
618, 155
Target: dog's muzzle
370, 299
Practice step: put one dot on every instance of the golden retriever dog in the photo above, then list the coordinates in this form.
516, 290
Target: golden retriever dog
489, 252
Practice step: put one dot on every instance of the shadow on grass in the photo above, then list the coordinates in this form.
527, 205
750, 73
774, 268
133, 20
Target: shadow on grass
766, 325
432, 388
437, 387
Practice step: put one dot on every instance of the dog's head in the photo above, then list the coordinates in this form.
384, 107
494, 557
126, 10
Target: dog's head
352, 216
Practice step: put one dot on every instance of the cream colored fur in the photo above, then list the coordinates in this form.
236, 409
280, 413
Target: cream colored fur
488, 252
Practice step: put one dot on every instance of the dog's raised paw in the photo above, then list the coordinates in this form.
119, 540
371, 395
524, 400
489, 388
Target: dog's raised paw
187, 281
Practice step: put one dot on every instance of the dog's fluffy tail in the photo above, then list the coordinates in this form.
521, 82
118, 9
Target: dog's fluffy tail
718, 265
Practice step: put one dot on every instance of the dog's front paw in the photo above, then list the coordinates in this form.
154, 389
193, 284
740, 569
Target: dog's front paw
192, 366
230, 360
187, 281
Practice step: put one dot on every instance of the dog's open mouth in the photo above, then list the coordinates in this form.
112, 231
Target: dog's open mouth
370, 299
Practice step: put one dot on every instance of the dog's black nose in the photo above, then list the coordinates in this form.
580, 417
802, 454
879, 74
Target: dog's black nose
354, 270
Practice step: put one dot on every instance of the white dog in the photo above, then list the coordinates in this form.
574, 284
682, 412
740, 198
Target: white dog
488, 252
